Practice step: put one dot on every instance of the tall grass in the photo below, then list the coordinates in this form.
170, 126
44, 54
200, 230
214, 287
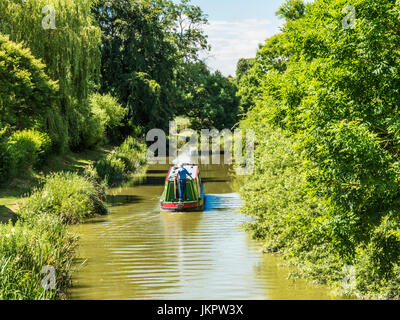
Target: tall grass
68, 196
25, 248
40, 237
120, 164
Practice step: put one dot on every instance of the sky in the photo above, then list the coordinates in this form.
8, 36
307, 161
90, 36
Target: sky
235, 29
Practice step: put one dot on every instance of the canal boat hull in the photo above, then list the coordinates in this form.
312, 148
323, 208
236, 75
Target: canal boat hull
183, 206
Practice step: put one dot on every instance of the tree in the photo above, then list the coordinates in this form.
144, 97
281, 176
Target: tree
243, 66
331, 95
70, 52
292, 9
28, 97
212, 100
186, 23
145, 48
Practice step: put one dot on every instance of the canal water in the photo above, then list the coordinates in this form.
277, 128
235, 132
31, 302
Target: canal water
138, 252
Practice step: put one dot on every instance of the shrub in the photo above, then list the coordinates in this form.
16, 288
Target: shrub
25, 249
27, 94
107, 109
68, 196
111, 169
378, 262
23, 149
121, 162
106, 113
133, 153
93, 132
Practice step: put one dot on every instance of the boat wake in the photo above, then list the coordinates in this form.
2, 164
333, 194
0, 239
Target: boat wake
226, 201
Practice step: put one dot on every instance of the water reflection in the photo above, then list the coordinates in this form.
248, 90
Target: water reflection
138, 252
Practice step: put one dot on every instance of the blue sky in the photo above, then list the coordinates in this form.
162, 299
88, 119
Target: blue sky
235, 29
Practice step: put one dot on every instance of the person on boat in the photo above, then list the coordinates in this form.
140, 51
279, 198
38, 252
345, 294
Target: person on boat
182, 174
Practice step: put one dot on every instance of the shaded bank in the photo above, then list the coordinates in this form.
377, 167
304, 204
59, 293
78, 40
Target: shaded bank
38, 250
137, 252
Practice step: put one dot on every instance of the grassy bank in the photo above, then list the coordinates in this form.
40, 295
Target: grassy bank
12, 191
34, 233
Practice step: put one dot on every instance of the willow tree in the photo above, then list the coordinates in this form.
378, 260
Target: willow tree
63, 35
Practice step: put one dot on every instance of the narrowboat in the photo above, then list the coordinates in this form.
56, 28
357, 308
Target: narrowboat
194, 191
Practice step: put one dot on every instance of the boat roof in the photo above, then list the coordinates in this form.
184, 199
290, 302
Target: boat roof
191, 168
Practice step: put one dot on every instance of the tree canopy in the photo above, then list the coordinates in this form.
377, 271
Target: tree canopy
332, 94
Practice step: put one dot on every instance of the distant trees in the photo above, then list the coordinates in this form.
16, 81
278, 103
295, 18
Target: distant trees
243, 66
138, 60
292, 9
147, 47
210, 99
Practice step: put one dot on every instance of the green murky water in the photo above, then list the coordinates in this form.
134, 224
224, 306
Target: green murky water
138, 252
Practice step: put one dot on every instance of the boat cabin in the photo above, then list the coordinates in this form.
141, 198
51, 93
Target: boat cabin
194, 191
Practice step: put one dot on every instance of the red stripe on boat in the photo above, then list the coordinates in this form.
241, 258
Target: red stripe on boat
185, 205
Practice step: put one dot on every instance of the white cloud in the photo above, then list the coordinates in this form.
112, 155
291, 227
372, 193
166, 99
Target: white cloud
232, 40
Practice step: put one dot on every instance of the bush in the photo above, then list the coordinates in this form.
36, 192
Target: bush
68, 196
132, 153
72, 58
106, 114
28, 97
111, 169
22, 150
107, 109
25, 249
339, 207
378, 263
93, 133
120, 163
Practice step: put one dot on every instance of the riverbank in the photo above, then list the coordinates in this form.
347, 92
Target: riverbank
140, 253
298, 224
35, 215
13, 191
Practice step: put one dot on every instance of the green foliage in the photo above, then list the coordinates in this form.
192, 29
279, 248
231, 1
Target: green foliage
120, 164
136, 55
145, 103
147, 50
70, 52
243, 66
106, 115
332, 93
378, 271
111, 170
25, 249
68, 196
211, 100
22, 150
271, 58
28, 97
292, 9
93, 133
108, 110
27, 147
185, 21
